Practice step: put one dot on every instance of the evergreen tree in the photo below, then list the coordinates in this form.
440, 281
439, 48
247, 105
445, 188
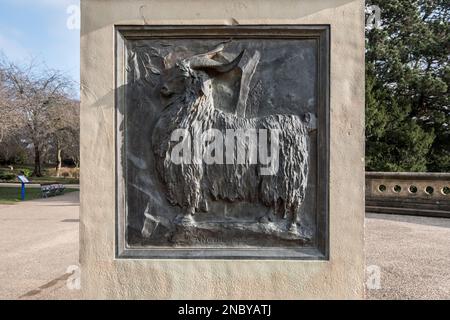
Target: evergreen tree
407, 80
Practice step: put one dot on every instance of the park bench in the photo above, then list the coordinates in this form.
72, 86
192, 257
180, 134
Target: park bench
51, 189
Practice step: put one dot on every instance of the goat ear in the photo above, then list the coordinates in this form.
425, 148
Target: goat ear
205, 88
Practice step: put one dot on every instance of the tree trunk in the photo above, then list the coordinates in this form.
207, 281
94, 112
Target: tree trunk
37, 161
58, 160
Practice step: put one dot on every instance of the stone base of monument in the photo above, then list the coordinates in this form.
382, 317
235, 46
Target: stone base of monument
302, 59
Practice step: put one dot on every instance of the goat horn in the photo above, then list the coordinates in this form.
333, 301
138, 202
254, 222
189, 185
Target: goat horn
205, 59
217, 49
206, 63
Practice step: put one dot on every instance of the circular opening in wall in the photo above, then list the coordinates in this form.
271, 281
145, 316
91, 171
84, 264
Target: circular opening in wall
397, 188
412, 189
446, 190
429, 190
382, 187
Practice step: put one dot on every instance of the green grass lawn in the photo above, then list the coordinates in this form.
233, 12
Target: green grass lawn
11, 195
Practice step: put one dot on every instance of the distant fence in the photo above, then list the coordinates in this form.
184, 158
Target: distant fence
410, 193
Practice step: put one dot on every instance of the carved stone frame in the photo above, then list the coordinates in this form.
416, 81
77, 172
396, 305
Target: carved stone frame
321, 33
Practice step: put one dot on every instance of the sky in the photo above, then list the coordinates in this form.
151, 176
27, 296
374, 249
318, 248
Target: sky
45, 30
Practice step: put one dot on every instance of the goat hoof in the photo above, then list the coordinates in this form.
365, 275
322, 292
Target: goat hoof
185, 220
264, 219
293, 228
204, 206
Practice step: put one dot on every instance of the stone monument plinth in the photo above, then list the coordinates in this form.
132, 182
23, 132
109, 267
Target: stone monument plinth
222, 149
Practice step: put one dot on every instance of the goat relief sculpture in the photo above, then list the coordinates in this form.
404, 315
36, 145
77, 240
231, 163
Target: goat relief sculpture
191, 183
217, 162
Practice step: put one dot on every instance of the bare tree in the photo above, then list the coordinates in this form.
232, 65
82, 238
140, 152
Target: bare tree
36, 96
11, 148
6, 118
65, 137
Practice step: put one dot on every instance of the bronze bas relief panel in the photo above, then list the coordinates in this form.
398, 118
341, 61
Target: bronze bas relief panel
222, 142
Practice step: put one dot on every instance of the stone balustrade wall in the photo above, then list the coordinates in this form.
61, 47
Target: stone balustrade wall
408, 193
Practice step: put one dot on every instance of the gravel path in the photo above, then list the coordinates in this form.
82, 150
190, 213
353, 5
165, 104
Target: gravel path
38, 242
413, 254
35, 185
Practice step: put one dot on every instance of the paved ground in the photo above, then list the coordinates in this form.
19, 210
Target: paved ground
413, 254
39, 241
36, 185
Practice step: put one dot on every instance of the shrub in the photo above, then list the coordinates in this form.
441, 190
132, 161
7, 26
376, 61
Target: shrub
27, 172
7, 176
